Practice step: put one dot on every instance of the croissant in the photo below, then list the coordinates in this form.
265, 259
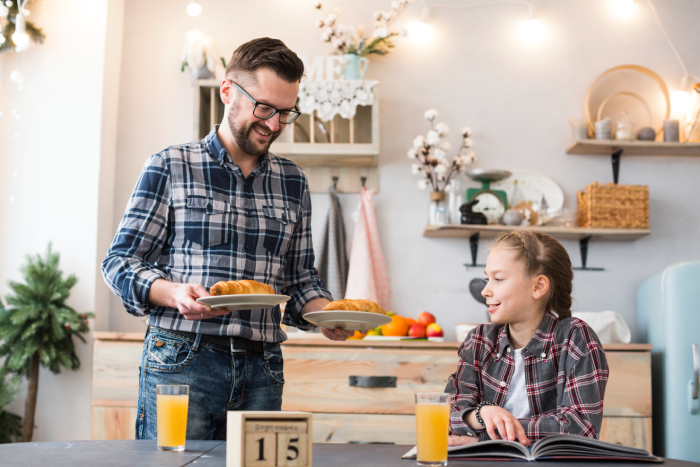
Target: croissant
355, 305
240, 287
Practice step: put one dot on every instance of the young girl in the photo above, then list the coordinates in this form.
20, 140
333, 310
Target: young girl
535, 371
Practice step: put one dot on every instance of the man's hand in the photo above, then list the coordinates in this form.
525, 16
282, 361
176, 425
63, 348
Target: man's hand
336, 334
182, 297
498, 418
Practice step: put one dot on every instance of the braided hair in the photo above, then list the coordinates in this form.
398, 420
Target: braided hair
544, 255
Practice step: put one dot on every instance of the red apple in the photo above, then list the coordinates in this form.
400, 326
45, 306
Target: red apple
434, 330
426, 318
417, 330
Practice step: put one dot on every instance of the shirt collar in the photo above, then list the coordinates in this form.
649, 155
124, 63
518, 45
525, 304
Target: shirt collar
219, 152
539, 343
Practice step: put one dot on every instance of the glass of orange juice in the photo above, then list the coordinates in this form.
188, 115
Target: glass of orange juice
432, 425
171, 404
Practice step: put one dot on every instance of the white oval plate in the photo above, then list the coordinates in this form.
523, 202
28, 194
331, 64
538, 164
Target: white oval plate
243, 301
533, 186
347, 320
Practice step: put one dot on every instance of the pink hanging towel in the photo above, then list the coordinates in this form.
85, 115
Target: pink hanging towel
367, 276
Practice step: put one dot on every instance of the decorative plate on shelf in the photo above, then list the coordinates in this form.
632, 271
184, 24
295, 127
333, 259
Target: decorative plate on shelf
347, 320
243, 301
532, 187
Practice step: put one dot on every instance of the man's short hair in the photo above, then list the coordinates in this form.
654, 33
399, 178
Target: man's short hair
265, 53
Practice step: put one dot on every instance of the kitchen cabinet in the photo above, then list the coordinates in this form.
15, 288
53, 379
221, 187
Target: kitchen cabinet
317, 379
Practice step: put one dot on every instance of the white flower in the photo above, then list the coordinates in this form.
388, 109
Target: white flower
466, 132
331, 19
4, 11
320, 23
422, 184
419, 142
445, 146
467, 143
416, 169
377, 15
442, 178
403, 32
468, 158
439, 154
325, 37
430, 114
329, 32
433, 138
412, 153
440, 169
442, 129
387, 15
381, 32
395, 5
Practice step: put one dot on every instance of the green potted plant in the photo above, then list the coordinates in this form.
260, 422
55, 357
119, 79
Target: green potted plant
37, 327
10, 424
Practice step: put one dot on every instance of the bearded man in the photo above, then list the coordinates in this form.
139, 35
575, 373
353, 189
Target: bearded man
221, 208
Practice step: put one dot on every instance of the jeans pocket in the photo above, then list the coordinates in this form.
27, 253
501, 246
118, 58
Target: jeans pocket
168, 351
274, 364
207, 221
279, 228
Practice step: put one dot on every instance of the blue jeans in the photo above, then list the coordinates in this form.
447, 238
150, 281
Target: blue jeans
219, 381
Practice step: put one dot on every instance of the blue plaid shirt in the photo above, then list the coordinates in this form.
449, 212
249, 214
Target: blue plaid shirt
194, 218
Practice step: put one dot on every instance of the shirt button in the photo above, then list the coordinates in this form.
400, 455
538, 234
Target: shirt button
503, 384
470, 434
210, 207
498, 355
508, 350
543, 355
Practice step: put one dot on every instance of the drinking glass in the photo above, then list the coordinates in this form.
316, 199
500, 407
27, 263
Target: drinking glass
172, 402
432, 425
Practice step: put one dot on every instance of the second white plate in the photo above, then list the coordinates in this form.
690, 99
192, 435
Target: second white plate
347, 320
243, 301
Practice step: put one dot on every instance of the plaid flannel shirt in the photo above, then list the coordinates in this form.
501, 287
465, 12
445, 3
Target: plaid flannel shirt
194, 218
565, 374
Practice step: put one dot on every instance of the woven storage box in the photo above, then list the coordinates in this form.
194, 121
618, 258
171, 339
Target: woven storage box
614, 206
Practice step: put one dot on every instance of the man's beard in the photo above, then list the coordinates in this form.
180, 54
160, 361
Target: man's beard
242, 135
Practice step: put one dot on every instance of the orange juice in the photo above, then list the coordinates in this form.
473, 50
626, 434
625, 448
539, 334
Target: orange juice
432, 421
172, 420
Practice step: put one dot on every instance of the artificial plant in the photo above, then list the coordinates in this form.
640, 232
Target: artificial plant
9, 10
37, 327
10, 424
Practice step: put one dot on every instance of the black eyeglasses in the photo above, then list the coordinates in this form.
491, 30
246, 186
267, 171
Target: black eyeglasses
265, 111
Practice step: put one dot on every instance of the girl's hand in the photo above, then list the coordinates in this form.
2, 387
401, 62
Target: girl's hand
498, 418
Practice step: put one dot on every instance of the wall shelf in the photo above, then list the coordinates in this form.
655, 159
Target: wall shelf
639, 148
583, 235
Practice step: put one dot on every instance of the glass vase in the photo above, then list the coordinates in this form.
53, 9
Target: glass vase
438, 208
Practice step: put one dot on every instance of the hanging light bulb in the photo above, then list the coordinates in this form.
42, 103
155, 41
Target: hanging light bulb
20, 37
623, 7
532, 30
680, 102
420, 30
194, 8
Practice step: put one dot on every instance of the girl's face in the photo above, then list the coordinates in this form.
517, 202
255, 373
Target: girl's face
513, 297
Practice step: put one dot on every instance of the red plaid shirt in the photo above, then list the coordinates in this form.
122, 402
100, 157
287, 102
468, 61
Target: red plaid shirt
565, 374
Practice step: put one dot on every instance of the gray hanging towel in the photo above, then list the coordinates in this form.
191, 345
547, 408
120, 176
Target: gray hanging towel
332, 262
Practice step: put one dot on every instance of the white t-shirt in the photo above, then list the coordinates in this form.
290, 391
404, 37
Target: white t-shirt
516, 398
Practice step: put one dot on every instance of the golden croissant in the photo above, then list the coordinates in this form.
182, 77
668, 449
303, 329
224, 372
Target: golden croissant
240, 287
355, 305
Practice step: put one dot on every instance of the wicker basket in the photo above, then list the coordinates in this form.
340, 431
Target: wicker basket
614, 206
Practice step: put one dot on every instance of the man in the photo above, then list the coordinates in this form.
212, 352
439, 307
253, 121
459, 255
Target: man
222, 208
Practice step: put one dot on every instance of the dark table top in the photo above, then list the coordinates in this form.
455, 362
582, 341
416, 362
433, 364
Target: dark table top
213, 454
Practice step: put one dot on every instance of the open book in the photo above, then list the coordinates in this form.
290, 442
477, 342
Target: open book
551, 447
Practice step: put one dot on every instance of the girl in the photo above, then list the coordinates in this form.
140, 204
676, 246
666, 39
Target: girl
535, 371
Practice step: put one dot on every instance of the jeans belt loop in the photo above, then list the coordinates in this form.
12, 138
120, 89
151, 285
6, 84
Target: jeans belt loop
197, 340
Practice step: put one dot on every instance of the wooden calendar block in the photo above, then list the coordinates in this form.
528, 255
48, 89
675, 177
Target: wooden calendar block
291, 449
269, 439
260, 449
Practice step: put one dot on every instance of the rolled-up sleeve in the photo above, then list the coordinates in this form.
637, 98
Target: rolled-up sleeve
301, 280
580, 409
130, 266
465, 387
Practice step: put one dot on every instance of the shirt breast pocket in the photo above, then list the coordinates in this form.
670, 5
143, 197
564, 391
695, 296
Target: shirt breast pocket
208, 221
279, 228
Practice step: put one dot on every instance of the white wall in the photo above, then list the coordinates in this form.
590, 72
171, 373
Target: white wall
517, 99
53, 172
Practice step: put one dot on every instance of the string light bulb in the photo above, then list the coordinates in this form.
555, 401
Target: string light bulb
623, 7
420, 30
194, 8
20, 37
680, 102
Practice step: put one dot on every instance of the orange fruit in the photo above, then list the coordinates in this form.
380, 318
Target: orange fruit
358, 335
410, 321
398, 327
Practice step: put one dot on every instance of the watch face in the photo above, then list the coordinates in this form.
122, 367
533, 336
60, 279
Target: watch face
490, 205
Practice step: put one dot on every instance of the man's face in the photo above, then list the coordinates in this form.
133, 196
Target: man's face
251, 134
